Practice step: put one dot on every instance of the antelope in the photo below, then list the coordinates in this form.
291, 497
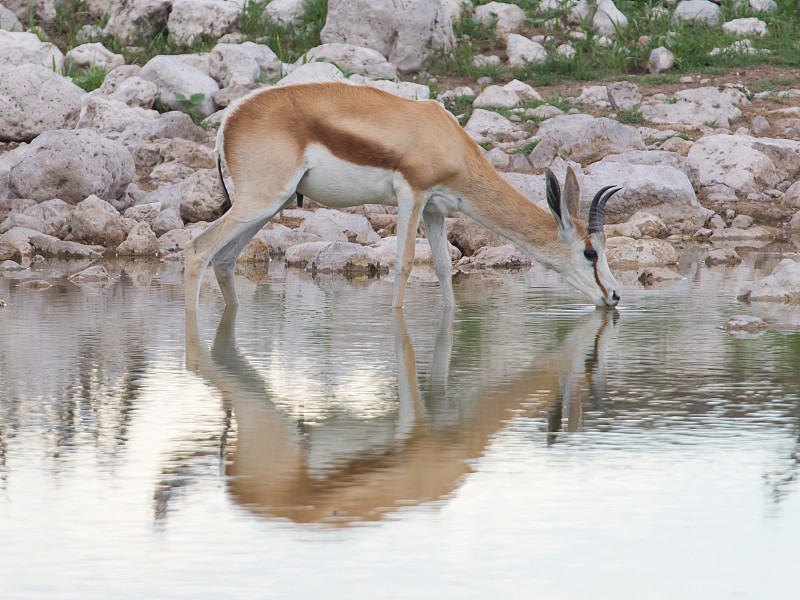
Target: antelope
347, 145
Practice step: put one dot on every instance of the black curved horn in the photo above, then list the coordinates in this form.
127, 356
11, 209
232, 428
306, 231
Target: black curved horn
598, 208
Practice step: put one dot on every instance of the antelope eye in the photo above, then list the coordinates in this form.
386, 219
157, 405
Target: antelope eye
590, 254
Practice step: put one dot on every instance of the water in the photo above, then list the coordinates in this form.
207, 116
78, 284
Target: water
318, 444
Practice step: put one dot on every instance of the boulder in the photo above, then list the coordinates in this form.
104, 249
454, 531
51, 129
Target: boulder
106, 116
346, 257
20, 48
746, 324
735, 162
660, 60
469, 237
406, 32
173, 124
648, 224
484, 124
33, 99
522, 90
698, 11
285, 12
141, 241
146, 213
94, 274
639, 254
47, 245
722, 256
200, 197
362, 60
173, 76
508, 17
750, 26
404, 89
279, 238
507, 256
697, 107
608, 19
153, 152
9, 20
132, 19
313, 72
189, 19
94, 55
26, 221
496, 96
623, 95
521, 51
35, 285
757, 5
782, 285
300, 254
656, 158
9, 252
19, 239
95, 221
336, 225
387, 250
236, 64
583, 139
167, 220
654, 275
55, 214
72, 165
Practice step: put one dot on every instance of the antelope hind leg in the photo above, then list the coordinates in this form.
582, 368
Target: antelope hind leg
437, 238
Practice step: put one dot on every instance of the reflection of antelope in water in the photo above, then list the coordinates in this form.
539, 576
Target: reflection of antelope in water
269, 470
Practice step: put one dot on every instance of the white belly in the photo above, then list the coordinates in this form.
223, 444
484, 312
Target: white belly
337, 183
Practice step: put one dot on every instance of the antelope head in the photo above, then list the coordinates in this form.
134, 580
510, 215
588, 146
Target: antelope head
583, 262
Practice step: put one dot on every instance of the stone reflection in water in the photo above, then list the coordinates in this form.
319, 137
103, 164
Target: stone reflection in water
425, 459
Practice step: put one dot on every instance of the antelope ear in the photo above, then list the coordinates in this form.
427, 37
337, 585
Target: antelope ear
572, 193
556, 203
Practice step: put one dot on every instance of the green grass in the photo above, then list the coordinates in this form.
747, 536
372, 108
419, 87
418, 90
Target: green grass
631, 116
525, 148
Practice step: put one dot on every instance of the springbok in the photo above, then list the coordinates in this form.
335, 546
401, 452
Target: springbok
346, 145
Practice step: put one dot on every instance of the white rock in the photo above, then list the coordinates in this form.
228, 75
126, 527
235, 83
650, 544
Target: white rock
734, 162
523, 90
233, 64
285, 12
782, 285
496, 96
699, 11
335, 225
299, 255
608, 18
95, 221
510, 17
95, 274
623, 95
592, 95
748, 26
55, 213
404, 89
94, 55
507, 256
583, 139
129, 19
72, 165
697, 107
361, 60
191, 18
199, 197
484, 123
9, 21
521, 51
387, 251
313, 72
660, 60
406, 32
345, 257
167, 220
747, 324
639, 254
757, 5
105, 116
172, 76
566, 51
485, 60
141, 241
33, 99
20, 48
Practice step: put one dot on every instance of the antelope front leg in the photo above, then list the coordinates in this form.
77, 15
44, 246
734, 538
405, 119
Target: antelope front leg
409, 211
437, 238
